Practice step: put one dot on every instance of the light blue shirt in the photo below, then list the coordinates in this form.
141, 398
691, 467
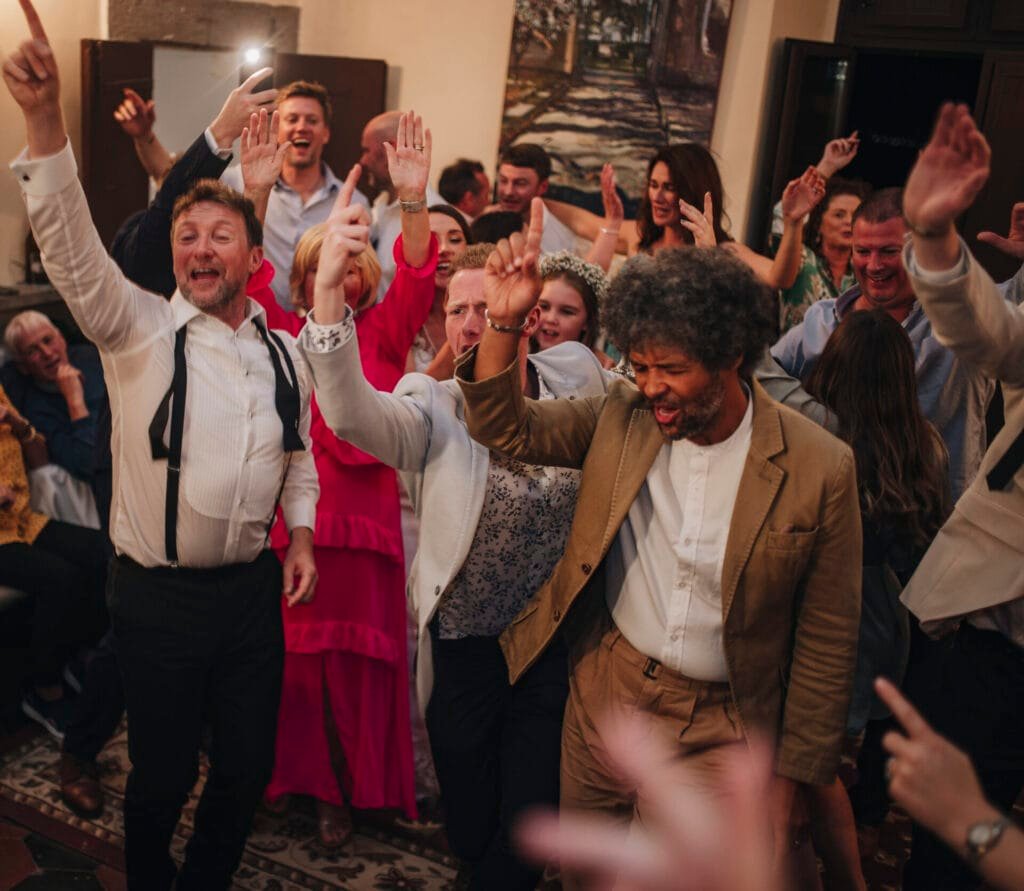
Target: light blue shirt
287, 220
953, 395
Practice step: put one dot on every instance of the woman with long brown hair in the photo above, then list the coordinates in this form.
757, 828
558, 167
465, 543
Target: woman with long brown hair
866, 377
682, 205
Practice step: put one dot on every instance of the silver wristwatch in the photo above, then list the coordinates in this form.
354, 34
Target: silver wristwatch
983, 836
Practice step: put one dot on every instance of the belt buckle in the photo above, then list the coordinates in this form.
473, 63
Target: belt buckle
651, 668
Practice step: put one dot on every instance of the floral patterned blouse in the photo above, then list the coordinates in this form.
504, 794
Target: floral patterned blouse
18, 522
520, 537
813, 283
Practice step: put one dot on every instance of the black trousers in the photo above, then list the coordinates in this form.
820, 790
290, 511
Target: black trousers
978, 707
496, 749
98, 708
192, 643
64, 570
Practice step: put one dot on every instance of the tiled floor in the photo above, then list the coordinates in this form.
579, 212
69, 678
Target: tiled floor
31, 862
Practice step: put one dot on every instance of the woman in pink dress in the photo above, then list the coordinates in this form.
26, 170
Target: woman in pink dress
343, 726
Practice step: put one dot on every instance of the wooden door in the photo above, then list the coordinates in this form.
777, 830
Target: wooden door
1000, 114
808, 108
358, 90
114, 181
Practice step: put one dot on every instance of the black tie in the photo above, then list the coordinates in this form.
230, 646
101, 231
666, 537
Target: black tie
1008, 465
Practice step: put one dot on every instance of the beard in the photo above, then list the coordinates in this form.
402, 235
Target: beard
220, 299
696, 415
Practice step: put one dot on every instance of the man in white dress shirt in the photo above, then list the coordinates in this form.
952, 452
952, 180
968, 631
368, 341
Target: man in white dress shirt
523, 174
711, 576
193, 592
306, 189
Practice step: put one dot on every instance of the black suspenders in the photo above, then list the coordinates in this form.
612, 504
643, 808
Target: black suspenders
287, 401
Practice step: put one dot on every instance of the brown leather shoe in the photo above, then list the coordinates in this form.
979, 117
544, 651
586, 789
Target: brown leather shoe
80, 786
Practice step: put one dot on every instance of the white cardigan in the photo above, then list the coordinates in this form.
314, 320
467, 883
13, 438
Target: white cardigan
420, 431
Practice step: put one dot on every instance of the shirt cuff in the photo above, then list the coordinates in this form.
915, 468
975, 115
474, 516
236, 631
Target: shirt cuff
48, 175
211, 144
936, 276
318, 338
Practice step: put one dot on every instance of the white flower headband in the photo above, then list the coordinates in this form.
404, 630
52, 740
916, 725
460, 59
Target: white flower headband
566, 261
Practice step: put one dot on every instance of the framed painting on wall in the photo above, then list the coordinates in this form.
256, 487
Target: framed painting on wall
612, 80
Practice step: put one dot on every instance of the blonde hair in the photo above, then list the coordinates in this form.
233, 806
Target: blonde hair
307, 253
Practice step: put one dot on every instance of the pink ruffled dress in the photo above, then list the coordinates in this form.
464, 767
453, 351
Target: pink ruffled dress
345, 652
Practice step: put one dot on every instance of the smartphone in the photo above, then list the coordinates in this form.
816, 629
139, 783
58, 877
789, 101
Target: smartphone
247, 69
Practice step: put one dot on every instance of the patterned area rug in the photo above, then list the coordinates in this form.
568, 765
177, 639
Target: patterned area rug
283, 853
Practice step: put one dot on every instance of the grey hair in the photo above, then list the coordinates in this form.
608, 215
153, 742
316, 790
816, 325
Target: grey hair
702, 301
21, 324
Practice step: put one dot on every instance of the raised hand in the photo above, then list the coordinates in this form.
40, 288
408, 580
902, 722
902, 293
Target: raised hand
409, 158
30, 72
802, 195
929, 776
240, 105
948, 174
702, 225
135, 115
347, 232
262, 157
512, 281
613, 209
1013, 244
837, 154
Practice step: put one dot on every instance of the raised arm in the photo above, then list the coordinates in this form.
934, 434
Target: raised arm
588, 225
556, 431
105, 304
137, 117
607, 241
966, 310
799, 198
409, 168
836, 155
262, 158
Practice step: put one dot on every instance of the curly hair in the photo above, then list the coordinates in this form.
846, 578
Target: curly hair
702, 301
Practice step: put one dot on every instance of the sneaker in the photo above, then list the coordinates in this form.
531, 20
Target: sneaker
51, 716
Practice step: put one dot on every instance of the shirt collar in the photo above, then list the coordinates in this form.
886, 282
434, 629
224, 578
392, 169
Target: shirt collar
184, 312
331, 182
844, 303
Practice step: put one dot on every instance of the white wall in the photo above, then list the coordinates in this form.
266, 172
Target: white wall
66, 22
756, 28
448, 61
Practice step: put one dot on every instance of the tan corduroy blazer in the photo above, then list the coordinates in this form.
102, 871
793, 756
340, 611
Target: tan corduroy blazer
792, 571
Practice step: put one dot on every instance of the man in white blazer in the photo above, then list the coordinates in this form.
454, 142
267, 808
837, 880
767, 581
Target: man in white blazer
970, 579
490, 533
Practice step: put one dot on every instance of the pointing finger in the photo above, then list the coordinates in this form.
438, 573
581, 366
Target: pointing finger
348, 188
905, 713
536, 230
35, 25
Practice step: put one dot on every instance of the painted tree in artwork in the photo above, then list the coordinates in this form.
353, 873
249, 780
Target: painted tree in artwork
539, 21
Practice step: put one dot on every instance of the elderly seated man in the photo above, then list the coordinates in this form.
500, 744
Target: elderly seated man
60, 390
